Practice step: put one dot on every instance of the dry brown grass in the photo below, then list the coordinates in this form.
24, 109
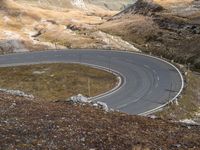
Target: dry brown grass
13, 8
67, 38
56, 81
25, 19
166, 3
163, 34
132, 28
189, 103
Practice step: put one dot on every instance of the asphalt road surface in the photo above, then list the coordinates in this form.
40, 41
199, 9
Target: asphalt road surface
147, 84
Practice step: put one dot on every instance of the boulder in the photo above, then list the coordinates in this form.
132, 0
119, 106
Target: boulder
103, 106
78, 99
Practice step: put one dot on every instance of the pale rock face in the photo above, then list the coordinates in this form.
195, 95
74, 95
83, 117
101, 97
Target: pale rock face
103, 106
6, 19
13, 42
189, 121
78, 99
79, 4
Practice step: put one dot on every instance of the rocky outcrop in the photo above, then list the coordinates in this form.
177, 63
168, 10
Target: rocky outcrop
17, 93
144, 7
79, 4
12, 45
80, 99
176, 24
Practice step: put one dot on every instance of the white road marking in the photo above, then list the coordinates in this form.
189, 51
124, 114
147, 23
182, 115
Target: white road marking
124, 105
158, 78
147, 66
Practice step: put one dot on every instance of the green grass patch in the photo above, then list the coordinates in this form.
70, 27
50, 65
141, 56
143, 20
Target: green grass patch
57, 81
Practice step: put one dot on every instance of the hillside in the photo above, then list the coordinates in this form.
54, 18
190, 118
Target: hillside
84, 4
36, 124
162, 28
29, 26
49, 3
111, 4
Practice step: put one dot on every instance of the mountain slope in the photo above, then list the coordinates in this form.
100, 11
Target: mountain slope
50, 3
161, 27
29, 26
83, 4
111, 4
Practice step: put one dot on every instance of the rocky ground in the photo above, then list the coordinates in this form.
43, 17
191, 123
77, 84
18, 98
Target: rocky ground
35, 124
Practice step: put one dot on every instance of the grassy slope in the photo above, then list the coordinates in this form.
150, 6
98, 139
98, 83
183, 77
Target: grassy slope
163, 33
24, 20
56, 81
189, 104
49, 3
